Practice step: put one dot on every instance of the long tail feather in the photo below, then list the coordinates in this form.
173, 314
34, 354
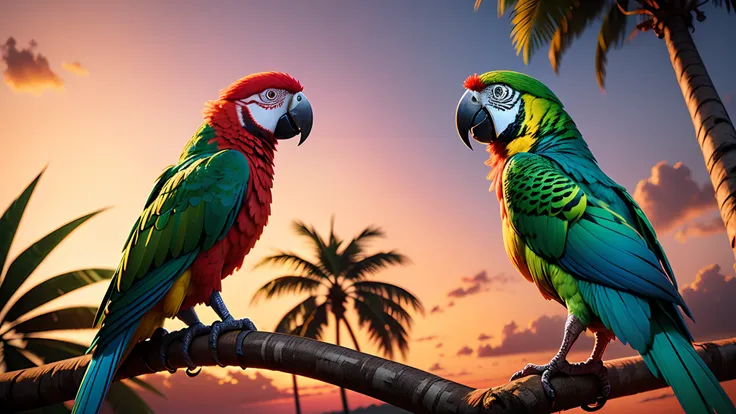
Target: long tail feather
100, 372
673, 357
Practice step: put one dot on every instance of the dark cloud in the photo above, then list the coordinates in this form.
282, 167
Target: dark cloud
700, 228
670, 197
478, 283
436, 367
436, 309
426, 338
483, 337
229, 394
75, 68
711, 298
451, 304
28, 71
439, 345
657, 397
543, 334
464, 351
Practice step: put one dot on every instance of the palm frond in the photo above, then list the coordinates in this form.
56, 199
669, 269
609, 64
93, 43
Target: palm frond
394, 293
146, 386
387, 306
374, 263
535, 22
80, 317
11, 219
15, 358
52, 288
730, 4
383, 329
52, 350
571, 26
357, 244
503, 5
314, 323
611, 35
123, 399
295, 317
297, 263
26, 262
326, 253
286, 285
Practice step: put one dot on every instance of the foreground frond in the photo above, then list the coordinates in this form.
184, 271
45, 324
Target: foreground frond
611, 35
535, 22
571, 26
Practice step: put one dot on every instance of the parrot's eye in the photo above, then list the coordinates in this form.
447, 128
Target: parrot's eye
271, 94
499, 92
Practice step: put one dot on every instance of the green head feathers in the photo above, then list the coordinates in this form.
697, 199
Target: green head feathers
510, 108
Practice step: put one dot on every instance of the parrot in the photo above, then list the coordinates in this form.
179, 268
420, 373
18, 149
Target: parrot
582, 239
203, 216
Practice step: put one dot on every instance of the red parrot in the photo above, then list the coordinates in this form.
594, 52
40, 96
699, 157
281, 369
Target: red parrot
204, 215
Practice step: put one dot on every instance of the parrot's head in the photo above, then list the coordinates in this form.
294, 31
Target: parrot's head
507, 110
269, 104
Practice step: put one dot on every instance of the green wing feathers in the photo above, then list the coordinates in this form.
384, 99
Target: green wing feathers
192, 206
541, 203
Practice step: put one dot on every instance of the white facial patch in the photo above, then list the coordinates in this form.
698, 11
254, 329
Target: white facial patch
266, 114
503, 103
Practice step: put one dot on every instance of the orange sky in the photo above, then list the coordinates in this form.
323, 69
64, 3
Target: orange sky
383, 149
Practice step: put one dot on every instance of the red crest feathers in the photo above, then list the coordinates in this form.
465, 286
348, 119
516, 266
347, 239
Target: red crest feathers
474, 83
257, 82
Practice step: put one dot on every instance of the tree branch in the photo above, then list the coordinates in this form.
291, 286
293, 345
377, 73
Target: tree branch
389, 381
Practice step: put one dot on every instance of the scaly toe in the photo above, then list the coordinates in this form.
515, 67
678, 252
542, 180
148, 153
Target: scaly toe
166, 340
191, 332
529, 369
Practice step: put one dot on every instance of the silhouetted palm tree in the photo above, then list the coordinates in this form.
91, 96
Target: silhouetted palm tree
337, 278
21, 346
560, 22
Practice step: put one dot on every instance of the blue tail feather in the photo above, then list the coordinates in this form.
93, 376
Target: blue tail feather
100, 372
673, 357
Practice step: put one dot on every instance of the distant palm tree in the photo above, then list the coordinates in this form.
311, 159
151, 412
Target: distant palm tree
21, 346
338, 277
560, 22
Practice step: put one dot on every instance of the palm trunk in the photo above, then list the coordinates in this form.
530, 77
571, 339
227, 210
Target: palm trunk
343, 395
713, 127
391, 382
296, 395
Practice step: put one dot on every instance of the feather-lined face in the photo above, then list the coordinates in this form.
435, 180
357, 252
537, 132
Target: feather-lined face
271, 103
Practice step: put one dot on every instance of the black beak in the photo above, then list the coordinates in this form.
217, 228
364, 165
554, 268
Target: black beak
297, 120
473, 118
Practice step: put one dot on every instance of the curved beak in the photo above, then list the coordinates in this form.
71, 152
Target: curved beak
473, 119
297, 120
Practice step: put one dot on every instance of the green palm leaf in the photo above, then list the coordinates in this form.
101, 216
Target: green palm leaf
80, 317
579, 18
53, 288
393, 292
611, 35
286, 285
15, 358
123, 399
52, 350
10, 220
26, 262
535, 22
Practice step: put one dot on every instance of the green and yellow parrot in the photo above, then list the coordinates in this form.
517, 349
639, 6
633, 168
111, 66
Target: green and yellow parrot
203, 216
581, 239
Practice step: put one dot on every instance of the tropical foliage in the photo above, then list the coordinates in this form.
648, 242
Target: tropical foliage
338, 278
21, 337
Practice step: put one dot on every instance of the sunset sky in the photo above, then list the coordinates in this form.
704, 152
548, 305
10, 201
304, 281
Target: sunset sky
120, 88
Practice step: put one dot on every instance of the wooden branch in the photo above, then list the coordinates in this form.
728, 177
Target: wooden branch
388, 381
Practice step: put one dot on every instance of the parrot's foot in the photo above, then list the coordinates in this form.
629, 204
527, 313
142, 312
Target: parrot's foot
228, 324
561, 366
186, 336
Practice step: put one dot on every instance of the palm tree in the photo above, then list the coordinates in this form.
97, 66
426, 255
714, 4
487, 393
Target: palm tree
559, 22
339, 277
19, 335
